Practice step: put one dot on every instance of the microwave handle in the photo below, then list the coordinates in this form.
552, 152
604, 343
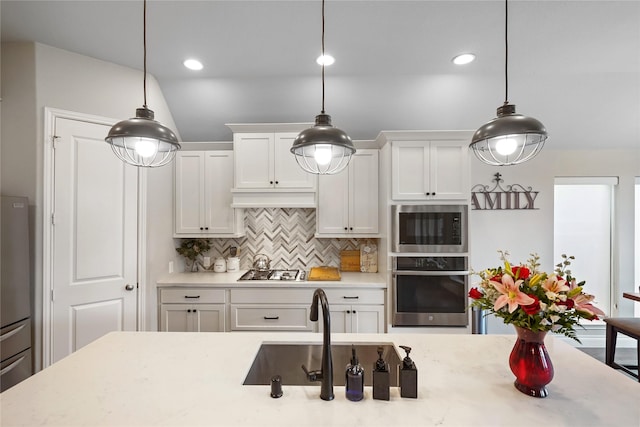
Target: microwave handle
428, 273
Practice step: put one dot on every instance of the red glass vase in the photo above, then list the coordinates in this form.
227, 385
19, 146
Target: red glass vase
530, 363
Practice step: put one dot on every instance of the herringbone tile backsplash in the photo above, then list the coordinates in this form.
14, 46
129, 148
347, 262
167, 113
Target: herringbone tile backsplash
286, 236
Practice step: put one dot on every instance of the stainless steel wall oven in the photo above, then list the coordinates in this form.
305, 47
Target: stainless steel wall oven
430, 290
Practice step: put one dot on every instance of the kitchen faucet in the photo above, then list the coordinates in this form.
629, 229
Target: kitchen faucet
326, 373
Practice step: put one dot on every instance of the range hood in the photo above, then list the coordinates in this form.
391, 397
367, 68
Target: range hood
273, 198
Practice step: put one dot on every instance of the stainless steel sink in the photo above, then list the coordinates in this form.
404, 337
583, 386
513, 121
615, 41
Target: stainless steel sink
286, 360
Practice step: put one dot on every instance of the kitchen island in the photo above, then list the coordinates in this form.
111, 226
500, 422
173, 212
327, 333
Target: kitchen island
182, 379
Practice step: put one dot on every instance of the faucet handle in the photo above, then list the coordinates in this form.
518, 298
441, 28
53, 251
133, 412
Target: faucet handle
312, 375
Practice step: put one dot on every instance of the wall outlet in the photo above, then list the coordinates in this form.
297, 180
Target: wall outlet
170, 267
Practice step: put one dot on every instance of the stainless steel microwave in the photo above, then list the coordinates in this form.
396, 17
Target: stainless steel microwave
429, 228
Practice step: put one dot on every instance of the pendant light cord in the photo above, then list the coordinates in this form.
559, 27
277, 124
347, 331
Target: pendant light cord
323, 57
144, 47
506, 52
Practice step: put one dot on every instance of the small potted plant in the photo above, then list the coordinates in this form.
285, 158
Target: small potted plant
191, 249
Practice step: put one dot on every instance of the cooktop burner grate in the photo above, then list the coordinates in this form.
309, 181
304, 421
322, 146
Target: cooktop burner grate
290, 275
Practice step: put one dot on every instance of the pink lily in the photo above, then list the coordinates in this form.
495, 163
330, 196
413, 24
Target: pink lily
552, 284
583, 304
511, 294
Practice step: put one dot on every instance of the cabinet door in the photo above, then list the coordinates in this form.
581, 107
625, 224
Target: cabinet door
363, 192
287, 173
208, 317
189, 192
333, 203
410, 170
449, 169
367, 319
219, 217
254, 165
340, 319
175, 318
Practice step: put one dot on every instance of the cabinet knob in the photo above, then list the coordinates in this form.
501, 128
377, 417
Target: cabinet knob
351, 228
206, 228
353, 311
345, 229
201, 228
270, 182
189, 311
276, 182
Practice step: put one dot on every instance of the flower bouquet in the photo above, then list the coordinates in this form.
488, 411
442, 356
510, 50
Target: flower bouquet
534, 302
532, 299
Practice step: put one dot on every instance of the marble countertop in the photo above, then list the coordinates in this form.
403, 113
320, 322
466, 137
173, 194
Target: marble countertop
187, 379
211, 279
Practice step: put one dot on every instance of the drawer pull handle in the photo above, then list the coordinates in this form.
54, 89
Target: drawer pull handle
192, 297
271, 317
346, 297
12, 366
12, 332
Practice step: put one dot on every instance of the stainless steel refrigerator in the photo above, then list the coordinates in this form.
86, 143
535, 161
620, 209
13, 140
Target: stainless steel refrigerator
15, 294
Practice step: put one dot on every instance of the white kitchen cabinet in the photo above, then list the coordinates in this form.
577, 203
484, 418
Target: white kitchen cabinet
348, 201
356, 310
191, 310
263, 160
430, 170
270, 309
203, 182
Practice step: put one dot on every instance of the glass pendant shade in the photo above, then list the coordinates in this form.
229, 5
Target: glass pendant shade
323, 149
509, 139
142, 141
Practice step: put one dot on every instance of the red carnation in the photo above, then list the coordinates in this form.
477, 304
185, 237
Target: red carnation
475, 293
569, 303
532, 308
521, 272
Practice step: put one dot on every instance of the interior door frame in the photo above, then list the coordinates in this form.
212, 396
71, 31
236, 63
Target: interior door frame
50, 117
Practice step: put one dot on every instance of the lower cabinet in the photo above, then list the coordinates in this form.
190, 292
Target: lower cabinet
192, 310
269, 309
357, 318
352, 310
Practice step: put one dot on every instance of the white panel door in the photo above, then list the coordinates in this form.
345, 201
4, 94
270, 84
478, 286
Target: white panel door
409, 170
94, 238
218, 180
333, 203
449, 170
253, 153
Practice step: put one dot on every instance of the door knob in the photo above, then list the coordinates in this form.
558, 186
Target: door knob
129, 287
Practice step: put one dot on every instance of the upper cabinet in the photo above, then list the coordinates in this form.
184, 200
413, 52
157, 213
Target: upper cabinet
203, 182
263, 160
348, 201
266, 173
430, 169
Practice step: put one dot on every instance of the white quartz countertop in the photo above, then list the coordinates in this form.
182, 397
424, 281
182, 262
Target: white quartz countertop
211, 279
186, 379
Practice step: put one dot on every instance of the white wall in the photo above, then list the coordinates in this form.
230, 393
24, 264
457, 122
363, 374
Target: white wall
524, 231
42, 76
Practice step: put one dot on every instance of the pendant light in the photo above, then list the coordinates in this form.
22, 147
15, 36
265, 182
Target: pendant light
142, 141
323, 149
510, 138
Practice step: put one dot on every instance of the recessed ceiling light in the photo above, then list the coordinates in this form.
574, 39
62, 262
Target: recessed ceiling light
463, 58
325, 60
193, 64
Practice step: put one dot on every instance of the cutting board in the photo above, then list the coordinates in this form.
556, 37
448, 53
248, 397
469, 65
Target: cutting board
350, 260
324, 273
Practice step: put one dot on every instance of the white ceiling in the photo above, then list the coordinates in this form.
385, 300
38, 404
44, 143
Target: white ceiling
574, 65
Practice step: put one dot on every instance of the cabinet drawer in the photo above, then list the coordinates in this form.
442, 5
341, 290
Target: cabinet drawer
192, 296
15, 338
355, 296
270, 318
271, 296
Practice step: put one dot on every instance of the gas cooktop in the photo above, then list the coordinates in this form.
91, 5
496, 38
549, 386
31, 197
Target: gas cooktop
290, 275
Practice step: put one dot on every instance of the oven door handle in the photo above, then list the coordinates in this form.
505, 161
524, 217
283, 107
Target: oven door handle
430, 273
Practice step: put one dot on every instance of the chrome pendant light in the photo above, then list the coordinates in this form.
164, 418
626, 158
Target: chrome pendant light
142, 141
510, 138
323, 149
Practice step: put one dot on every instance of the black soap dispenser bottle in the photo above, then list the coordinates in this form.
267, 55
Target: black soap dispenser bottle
381, 378
354, 378
408, 376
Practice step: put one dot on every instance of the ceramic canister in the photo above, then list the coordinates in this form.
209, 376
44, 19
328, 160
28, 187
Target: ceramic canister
233, 264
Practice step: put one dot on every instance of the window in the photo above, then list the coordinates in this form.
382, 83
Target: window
583, 213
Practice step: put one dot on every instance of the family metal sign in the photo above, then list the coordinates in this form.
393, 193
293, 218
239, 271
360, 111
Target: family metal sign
513, 197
